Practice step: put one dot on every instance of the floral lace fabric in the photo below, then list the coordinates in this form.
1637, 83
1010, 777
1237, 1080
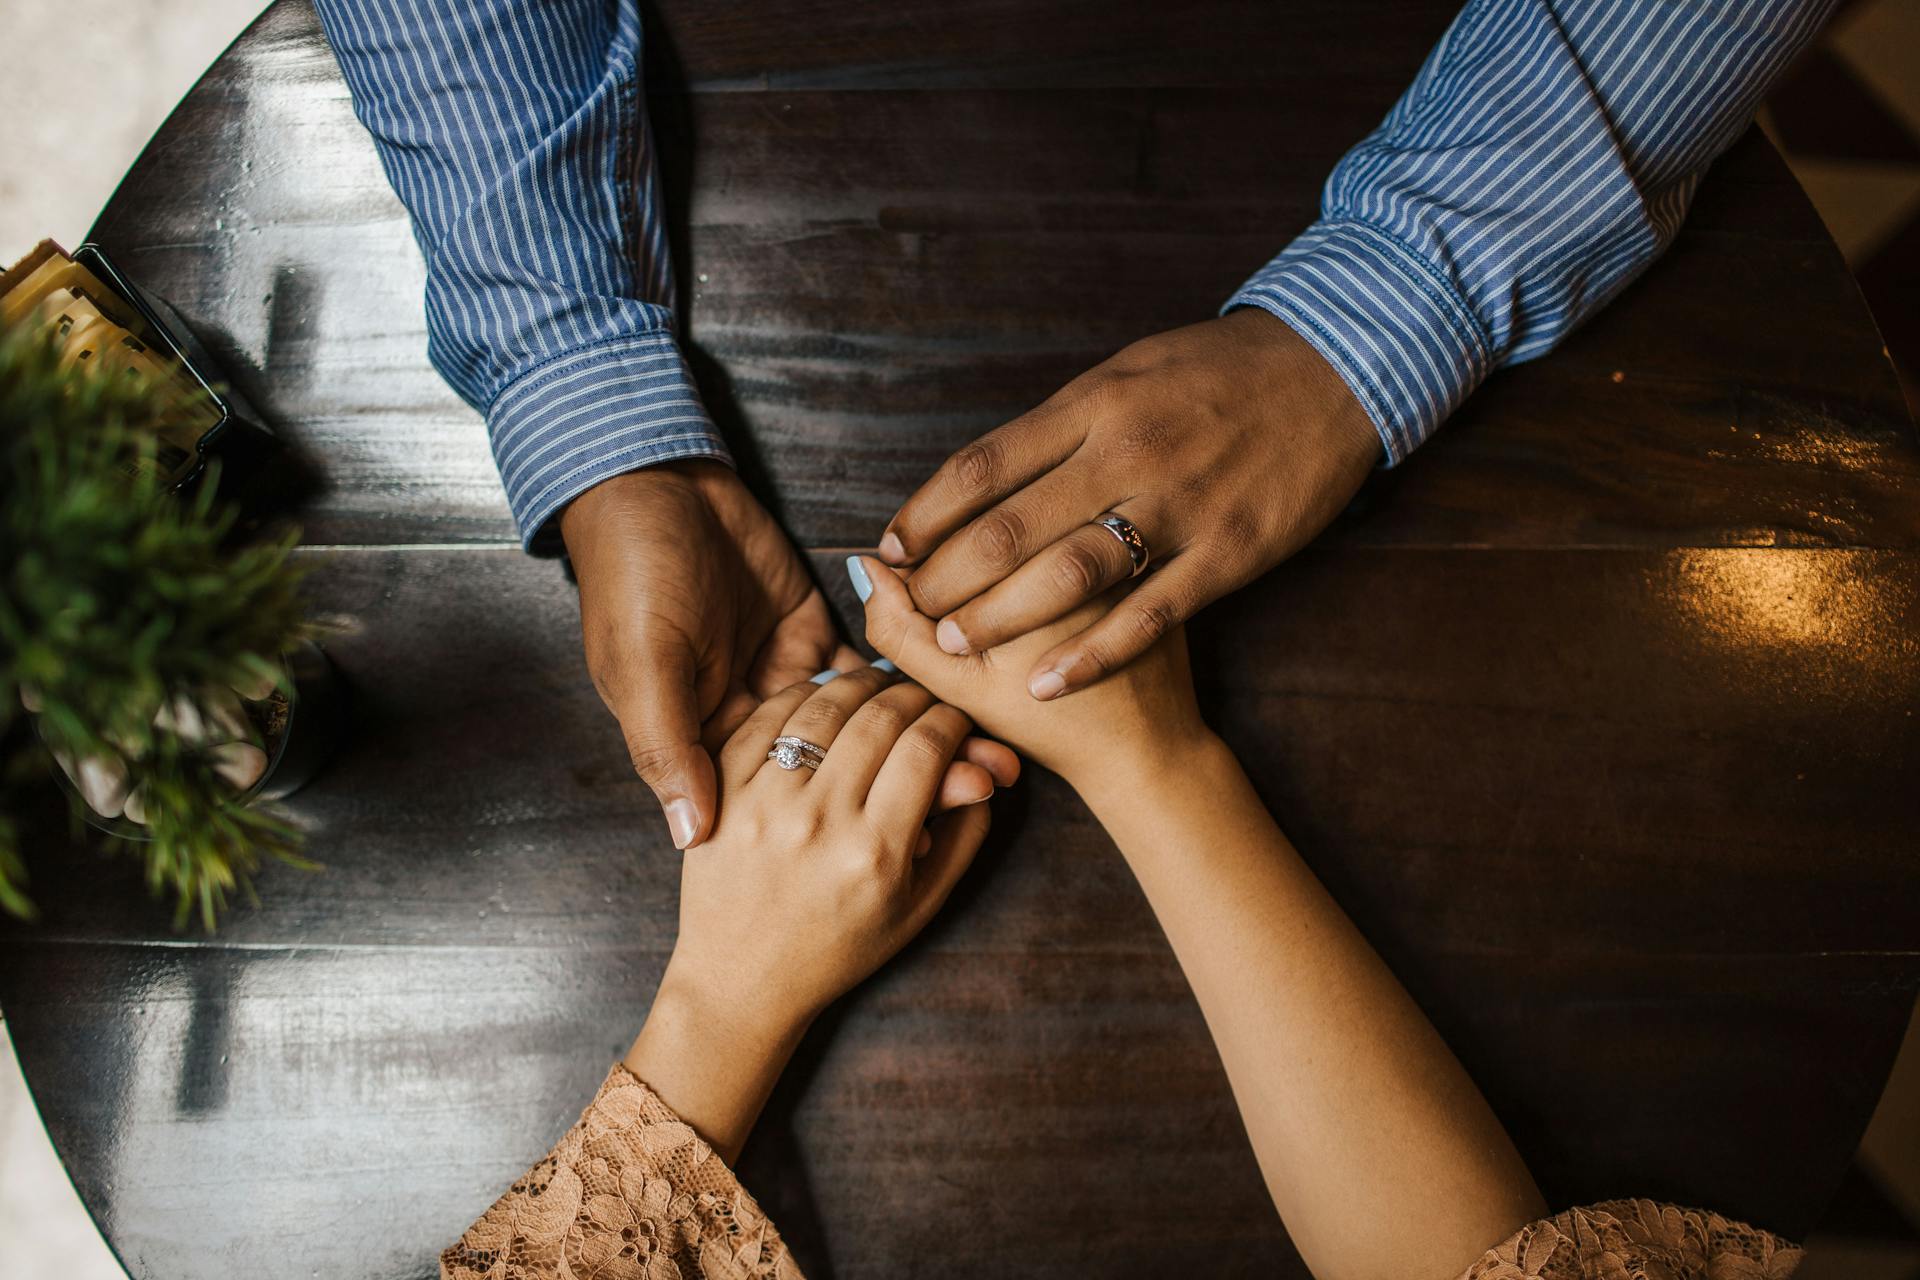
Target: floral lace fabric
630, 1193
1638, 1240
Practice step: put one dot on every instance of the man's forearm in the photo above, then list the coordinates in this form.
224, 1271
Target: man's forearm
1381, 1155
1544, 155
509, 132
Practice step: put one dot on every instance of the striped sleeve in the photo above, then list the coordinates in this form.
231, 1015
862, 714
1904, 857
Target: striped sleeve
514, 133
1544, 155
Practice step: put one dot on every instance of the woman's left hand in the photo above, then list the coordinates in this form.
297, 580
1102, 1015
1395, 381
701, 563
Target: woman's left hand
811, 879
1228, 445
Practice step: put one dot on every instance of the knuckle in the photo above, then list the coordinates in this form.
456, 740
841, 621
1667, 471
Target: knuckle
802, 824
926, 745
999, 538
862, 852
816, 716
1152, 619
651, 757
884, 626
1095, 659
1237, 527
875, 855
1079, 570
884, 719
1193, 487
1135, 357
926, 596
976, 467
607, 674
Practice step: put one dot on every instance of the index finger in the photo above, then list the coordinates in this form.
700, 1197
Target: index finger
974, 478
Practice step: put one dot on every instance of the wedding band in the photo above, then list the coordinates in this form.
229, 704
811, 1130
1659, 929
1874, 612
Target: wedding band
1129, 535
791, 753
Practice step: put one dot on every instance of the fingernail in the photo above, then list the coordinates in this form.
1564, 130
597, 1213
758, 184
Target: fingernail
857, 574
884, 664
682, 821
1048, 684
823, 677
951, 638
890, 549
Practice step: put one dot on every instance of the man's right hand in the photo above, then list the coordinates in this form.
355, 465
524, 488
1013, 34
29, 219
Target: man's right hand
694, 608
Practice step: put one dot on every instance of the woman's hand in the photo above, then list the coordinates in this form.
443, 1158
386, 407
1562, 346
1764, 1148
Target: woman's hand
811, 879
1146, 711
1228, 444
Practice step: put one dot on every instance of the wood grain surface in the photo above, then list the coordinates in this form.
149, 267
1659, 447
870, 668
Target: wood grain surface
1599, 715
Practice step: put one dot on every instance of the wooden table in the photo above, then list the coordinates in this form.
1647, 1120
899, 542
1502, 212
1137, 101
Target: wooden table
1599, 715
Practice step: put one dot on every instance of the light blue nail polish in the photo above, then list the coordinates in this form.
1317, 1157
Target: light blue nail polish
857, 574
884, 664
824, 676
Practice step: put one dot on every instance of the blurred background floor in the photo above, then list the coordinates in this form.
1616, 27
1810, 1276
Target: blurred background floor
1848, 118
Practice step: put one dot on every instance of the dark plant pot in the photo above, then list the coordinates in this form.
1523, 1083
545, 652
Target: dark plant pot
316, 722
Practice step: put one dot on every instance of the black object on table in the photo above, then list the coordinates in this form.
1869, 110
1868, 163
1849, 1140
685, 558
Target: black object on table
1598, 715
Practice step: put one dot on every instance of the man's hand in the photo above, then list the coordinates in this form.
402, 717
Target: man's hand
1229, 444
694, 607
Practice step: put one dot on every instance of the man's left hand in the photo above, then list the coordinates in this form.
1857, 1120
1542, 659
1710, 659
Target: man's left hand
1228, 444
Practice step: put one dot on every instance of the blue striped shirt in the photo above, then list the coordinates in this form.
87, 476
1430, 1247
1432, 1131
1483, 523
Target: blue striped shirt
1545, 154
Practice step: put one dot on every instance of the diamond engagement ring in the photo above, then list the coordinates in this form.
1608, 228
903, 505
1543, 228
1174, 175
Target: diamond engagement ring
1129, 535
791, 753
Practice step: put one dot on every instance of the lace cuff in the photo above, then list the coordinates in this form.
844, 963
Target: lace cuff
631, 1193
1639, 1238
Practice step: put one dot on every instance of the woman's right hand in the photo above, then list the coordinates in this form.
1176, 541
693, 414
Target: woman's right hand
1141, 713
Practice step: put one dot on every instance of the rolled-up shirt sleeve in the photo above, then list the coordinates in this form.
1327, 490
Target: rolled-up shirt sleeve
514, 132
1542, 158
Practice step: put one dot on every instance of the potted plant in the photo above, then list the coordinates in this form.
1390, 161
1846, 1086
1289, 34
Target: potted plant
169, 673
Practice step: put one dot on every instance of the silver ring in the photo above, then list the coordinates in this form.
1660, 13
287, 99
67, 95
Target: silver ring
792, 753
1130, 538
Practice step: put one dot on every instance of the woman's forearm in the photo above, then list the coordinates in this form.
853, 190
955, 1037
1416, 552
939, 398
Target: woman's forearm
1381, 1155
714, 1065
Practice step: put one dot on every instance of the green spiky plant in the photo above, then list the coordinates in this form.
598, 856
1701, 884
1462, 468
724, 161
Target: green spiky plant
116, 594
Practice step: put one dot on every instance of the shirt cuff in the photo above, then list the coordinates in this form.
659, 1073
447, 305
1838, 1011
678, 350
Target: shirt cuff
1389, 322
576, 420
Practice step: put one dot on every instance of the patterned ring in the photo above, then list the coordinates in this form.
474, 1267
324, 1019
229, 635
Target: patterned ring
1129, 534
791, 753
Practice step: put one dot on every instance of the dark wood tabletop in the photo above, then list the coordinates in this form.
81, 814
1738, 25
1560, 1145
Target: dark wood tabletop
1598, 714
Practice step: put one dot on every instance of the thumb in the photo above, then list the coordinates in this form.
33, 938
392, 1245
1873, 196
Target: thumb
894, 627
659, 712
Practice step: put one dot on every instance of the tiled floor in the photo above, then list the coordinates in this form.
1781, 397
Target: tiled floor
1849, 118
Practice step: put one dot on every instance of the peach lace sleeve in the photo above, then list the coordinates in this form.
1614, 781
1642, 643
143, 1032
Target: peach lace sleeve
1643, 1239
630, 1193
